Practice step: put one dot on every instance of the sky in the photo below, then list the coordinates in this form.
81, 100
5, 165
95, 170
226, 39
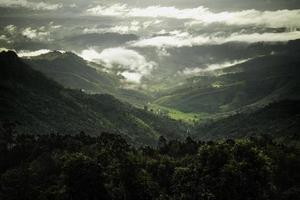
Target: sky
154, 40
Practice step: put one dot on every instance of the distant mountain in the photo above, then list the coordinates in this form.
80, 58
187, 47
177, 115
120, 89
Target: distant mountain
71, 71
42, 106
169, 72
281, 119
256, 82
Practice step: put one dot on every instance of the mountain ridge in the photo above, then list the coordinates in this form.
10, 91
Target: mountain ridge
41, 105
74, 72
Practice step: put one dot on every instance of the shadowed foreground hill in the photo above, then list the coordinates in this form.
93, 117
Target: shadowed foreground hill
41, 105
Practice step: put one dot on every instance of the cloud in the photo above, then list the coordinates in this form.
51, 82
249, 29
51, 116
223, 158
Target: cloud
162, 52
3, 37
114, 10
263, 37
5, 49
26, 53
272, 19
212, 67
129, 63
29, 4
127, 27
90, 55
180, 39
116, 29
26, 34
132, 76
32, 53
174, 39
203, 16
11, 29
151, 11
73, 5
38, 34
54, 26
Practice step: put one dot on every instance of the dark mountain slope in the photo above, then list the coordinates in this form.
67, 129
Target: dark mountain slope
256, 82
280, 119
41, 105
73, 72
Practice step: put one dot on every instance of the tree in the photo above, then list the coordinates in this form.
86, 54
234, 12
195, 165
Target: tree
14, 185
83, 178
162, 144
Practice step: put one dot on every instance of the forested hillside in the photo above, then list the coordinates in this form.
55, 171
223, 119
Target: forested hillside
280, 119
254, 83
71, 71
149, 100
40, 105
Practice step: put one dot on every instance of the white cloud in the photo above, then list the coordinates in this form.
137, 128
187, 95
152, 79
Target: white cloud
162, 52
181, 39
273, 19
55, 26
38, 34
114, 10
26, 53
212, 67
127, 27
11, 29
151, 11
3, 37
90, 55
132, 65
174, 39
115, 29
29, 4
73, 5
45, 6
5, 49
203, 16
32, 53
132, 76
225, 65
263, 37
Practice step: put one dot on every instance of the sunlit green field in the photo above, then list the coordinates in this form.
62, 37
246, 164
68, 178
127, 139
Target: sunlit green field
190, 118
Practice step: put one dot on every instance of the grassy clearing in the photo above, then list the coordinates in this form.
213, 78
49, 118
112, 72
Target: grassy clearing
190, 118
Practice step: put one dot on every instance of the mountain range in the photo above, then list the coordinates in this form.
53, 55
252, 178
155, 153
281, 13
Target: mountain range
60, 92
42, 106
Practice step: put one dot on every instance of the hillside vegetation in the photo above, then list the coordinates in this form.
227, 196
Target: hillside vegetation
106, 167
280, 119
254, 83
41, 105
71, 71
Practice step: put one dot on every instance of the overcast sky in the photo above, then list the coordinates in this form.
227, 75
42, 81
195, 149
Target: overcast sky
148, 37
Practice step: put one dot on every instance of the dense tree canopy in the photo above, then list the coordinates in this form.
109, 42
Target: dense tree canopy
107, 167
